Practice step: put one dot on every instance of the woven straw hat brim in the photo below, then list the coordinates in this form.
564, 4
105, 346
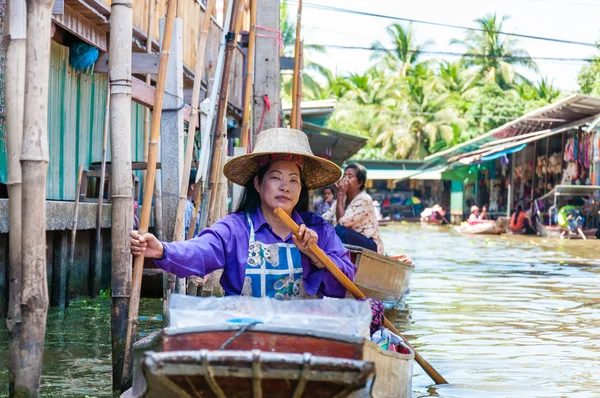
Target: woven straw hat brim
318, 172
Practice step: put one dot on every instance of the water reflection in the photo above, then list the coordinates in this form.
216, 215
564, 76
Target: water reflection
502, 316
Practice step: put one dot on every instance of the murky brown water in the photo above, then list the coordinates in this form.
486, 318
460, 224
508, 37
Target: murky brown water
507, 316
496, 316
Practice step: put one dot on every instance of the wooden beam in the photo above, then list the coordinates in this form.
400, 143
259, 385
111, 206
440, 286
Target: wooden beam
141, 63
143, 94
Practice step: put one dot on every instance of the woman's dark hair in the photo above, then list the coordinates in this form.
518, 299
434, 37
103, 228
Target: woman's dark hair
361, 173
251, 198
330, 187
519, 210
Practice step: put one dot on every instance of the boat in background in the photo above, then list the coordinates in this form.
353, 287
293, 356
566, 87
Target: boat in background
483, 227
259, 360
381, 277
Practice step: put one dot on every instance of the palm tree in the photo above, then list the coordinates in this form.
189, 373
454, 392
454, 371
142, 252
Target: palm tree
422, 121
405, 52
493, 54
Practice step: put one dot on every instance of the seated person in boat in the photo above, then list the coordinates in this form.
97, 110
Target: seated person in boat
569, 217
474, 216
354, 214
484, 213
437, 214
520, 222
258, 253
326, 201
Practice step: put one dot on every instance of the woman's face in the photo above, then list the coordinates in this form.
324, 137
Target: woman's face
280, 187
328, 195
350, 177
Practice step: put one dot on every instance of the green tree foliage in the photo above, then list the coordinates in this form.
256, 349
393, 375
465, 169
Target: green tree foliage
410, 107
589, 76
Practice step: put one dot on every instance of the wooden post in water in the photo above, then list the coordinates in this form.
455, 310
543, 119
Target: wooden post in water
34, 164
96, 271
138, 264
73, 236
119, 65
15, 84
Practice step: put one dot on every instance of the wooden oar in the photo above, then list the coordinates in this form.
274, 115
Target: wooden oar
351, 287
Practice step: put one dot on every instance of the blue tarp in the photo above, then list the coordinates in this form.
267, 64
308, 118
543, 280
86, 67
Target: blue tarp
502, 153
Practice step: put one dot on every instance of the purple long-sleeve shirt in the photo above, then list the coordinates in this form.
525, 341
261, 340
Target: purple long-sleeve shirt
225, 245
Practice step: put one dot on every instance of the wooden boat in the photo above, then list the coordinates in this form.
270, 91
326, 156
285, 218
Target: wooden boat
238, 361
484, 227
384, 222
558, 232
426, 222
380, 277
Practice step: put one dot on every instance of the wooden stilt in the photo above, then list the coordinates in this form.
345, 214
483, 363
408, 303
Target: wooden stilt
34, 165
249, 75
96, 270
73, 236
15, 84
297, 60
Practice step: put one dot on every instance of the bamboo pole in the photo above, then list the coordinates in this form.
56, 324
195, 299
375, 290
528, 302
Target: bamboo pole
299, 88
351, 287
96, 274
15, 84
149, 33
34, 164
138, 265
119, 63
207, 138
294, 116
221, 127
249, 75
73, 236
189, 149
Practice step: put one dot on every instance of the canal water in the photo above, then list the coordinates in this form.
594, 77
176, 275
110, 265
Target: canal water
500, 316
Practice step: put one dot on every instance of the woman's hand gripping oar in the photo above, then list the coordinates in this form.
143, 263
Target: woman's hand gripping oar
351, 287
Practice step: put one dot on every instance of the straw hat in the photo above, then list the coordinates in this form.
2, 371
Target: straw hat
436, 208
474, 208
317, 171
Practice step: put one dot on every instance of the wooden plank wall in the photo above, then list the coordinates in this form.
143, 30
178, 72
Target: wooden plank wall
192, 13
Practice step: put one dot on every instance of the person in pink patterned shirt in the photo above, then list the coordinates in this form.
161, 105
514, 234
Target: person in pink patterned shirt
354, 215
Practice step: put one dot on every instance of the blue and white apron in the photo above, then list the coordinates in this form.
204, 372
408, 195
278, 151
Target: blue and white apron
273, 270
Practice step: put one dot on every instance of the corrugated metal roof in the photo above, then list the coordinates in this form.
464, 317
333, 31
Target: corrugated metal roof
566, 111
342, 145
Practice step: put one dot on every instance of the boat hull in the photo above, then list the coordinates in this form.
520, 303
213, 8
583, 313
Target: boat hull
189, 362
380, 277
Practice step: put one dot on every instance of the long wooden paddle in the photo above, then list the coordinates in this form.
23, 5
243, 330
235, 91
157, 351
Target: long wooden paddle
351, 287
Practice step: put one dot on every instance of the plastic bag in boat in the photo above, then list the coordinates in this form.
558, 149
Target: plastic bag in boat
344, 316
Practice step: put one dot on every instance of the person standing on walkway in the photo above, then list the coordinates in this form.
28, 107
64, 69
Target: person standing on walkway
354, 215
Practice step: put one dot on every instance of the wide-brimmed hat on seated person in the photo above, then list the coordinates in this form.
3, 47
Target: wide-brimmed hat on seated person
283, 144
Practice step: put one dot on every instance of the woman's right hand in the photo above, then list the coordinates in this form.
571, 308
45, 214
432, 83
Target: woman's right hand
147, 244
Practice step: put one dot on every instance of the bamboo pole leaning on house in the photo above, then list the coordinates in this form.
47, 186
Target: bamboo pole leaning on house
73, 236
138, 264
151, 7
96, 274
15, 84
189, 149
34, 164
294, 116
221, 126
119, 64
249, 75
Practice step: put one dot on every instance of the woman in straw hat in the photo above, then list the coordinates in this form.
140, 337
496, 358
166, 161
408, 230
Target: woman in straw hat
259, 254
